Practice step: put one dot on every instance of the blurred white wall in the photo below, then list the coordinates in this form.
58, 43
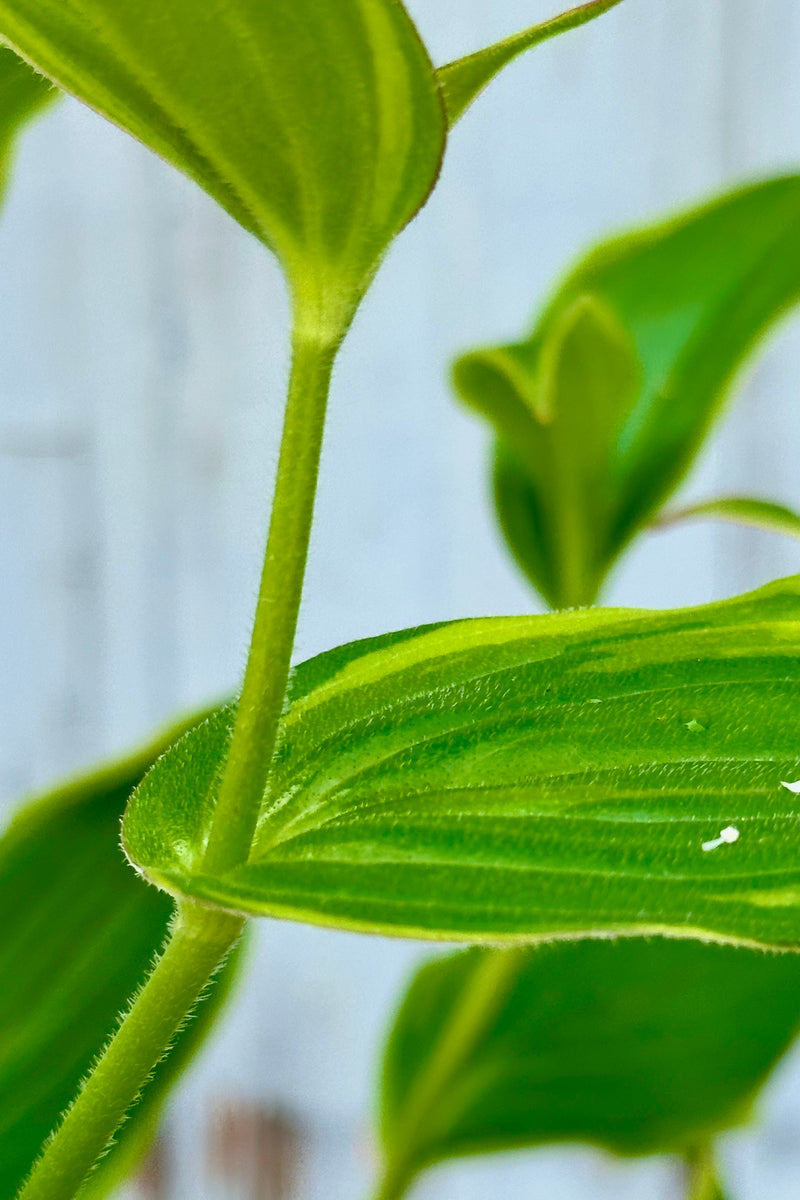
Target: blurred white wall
142, 361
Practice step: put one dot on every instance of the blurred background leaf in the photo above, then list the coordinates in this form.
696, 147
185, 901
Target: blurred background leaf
637, 1046
586, 453
78, 933
737, 510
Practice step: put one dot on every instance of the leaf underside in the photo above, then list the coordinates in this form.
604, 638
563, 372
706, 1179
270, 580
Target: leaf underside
582, 466
519, 779
78, 934
319, 127
638, 1046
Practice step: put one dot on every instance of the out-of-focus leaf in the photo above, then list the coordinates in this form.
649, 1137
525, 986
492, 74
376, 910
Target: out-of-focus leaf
319, 127
78, 933
519, 778
638, 1046
462, 81
562, 434
737, 510
581, 468
23, 94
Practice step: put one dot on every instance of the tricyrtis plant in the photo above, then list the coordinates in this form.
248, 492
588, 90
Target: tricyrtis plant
494, 781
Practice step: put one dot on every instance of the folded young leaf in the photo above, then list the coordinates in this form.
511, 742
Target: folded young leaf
462, 81
23, 94
582, 467
738, 510
559, 432
78, 933
519, 779
318, 126
638, 1046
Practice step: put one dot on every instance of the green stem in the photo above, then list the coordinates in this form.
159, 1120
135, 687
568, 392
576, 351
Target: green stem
394, 1185
702, 1178
202, 937
199, 943
478, 1005
261, 702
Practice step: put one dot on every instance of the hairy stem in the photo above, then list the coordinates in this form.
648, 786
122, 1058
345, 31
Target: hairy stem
199, 942
202, 937
261, 702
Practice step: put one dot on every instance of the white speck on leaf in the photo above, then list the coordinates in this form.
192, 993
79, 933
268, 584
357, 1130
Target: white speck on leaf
792, 787
726, 838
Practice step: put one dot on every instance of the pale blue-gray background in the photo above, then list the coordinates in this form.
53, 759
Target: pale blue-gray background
142, 360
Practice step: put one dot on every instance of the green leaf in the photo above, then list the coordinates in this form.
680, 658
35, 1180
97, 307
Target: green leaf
561, 428
78, 933
23, 94
518, 779
462, 81
737, 510
319, 127
638, 1046
582, 467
